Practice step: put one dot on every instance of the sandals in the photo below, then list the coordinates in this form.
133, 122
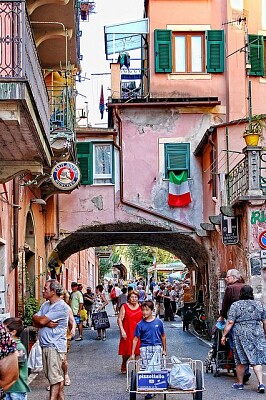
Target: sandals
99, 338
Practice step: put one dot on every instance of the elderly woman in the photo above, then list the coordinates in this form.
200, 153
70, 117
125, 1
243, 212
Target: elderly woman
129, 315
248, 317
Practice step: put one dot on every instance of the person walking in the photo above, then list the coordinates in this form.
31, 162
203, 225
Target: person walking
88, 298
19, 390
76, 304
234, 282
150, 332
52, 320
248, 317
142, 293
129, 315
71, 331
9, 371
168, 311
99, 304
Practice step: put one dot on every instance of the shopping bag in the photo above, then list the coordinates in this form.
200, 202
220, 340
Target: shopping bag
35, 357
100, 320
83, 314
181, 376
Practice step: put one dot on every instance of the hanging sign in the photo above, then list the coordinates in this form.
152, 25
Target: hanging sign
65, 175
229, 229
262, 240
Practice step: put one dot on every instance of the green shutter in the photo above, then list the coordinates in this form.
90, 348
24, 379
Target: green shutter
163, 50
84, 150
177, 157
215, 51
256, 55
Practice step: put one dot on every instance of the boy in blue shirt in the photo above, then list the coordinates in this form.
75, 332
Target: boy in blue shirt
19, 390
150, 331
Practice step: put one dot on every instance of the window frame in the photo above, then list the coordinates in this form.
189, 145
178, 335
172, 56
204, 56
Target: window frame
188, 55
88, 156
177, 149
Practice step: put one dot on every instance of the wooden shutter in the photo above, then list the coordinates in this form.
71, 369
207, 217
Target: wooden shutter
163, 50
256, 55
177, 157
84, 150
215, 51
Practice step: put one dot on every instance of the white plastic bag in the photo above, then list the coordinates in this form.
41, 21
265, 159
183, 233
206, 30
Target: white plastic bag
35, 357
155, 362
181, 376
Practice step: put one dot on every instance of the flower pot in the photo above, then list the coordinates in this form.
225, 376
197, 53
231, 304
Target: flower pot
252, 139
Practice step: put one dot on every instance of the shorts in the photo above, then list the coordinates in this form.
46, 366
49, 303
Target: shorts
77, 319
52, 365
16, 396
115, 301
146, 354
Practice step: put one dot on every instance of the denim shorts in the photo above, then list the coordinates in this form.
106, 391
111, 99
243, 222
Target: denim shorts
16, 396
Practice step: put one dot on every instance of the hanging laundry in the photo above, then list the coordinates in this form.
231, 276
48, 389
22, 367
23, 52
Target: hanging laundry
124, 59
101, 105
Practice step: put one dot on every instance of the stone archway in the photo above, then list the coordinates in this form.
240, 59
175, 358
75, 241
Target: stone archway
185, 245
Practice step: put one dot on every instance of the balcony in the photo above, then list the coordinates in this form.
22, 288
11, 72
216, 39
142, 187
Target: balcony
247, 180
24, 105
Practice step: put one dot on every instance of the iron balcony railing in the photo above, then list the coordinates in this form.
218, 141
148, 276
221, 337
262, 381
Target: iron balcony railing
19, 61
62, 107
237, 181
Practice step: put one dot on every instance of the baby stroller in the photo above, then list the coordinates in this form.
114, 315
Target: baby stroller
219, 355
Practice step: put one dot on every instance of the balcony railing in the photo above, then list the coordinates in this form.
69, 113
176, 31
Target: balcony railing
237, 181
62, 107
19, 58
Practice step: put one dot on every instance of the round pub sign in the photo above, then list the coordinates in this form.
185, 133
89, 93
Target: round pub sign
262, 240
65, 175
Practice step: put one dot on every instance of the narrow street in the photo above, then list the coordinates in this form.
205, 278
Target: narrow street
94, 368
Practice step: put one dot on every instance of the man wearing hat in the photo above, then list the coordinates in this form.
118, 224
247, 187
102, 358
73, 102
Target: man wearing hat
88, 302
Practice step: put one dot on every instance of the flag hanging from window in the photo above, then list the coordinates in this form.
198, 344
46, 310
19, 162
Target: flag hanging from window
179, 194
101, 105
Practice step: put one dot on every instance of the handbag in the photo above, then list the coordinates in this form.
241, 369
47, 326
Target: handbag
100, 320
83, 314
9, 372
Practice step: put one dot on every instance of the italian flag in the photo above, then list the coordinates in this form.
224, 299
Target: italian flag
179, 195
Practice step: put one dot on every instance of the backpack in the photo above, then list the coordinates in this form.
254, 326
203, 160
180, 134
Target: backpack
113, 293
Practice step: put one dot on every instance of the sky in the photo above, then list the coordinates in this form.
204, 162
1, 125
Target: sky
95, 67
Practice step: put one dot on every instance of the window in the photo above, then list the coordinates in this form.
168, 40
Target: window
177, 158
95, 162
189, 52
256, 54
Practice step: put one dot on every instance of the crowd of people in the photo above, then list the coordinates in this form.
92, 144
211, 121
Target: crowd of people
140, 309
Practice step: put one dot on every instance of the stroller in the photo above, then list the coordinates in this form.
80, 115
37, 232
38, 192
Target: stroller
219, 355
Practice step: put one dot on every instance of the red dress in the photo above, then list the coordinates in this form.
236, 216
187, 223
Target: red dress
132, 317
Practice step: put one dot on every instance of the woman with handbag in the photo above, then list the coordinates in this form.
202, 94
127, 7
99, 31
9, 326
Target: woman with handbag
99, 304
129, 315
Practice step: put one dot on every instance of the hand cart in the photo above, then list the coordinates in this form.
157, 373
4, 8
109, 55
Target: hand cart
160, 384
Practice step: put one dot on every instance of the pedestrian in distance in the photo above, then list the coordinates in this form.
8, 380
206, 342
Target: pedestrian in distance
9, 371
129, 315
122, 299
248, 317
76, 304
19, 390
150, 332
88, 298
52, 320
99, 304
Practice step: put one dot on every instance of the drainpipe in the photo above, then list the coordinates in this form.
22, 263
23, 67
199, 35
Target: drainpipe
128, 203
15, 239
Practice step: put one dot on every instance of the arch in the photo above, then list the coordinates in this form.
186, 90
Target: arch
185, 245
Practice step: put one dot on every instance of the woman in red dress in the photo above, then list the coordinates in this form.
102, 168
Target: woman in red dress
130, 314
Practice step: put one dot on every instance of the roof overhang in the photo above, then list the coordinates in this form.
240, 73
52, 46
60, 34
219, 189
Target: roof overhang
124, 37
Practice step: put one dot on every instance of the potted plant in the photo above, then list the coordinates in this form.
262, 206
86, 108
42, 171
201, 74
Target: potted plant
253, 132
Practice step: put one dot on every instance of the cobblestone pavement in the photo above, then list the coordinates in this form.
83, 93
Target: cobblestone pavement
94, 369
